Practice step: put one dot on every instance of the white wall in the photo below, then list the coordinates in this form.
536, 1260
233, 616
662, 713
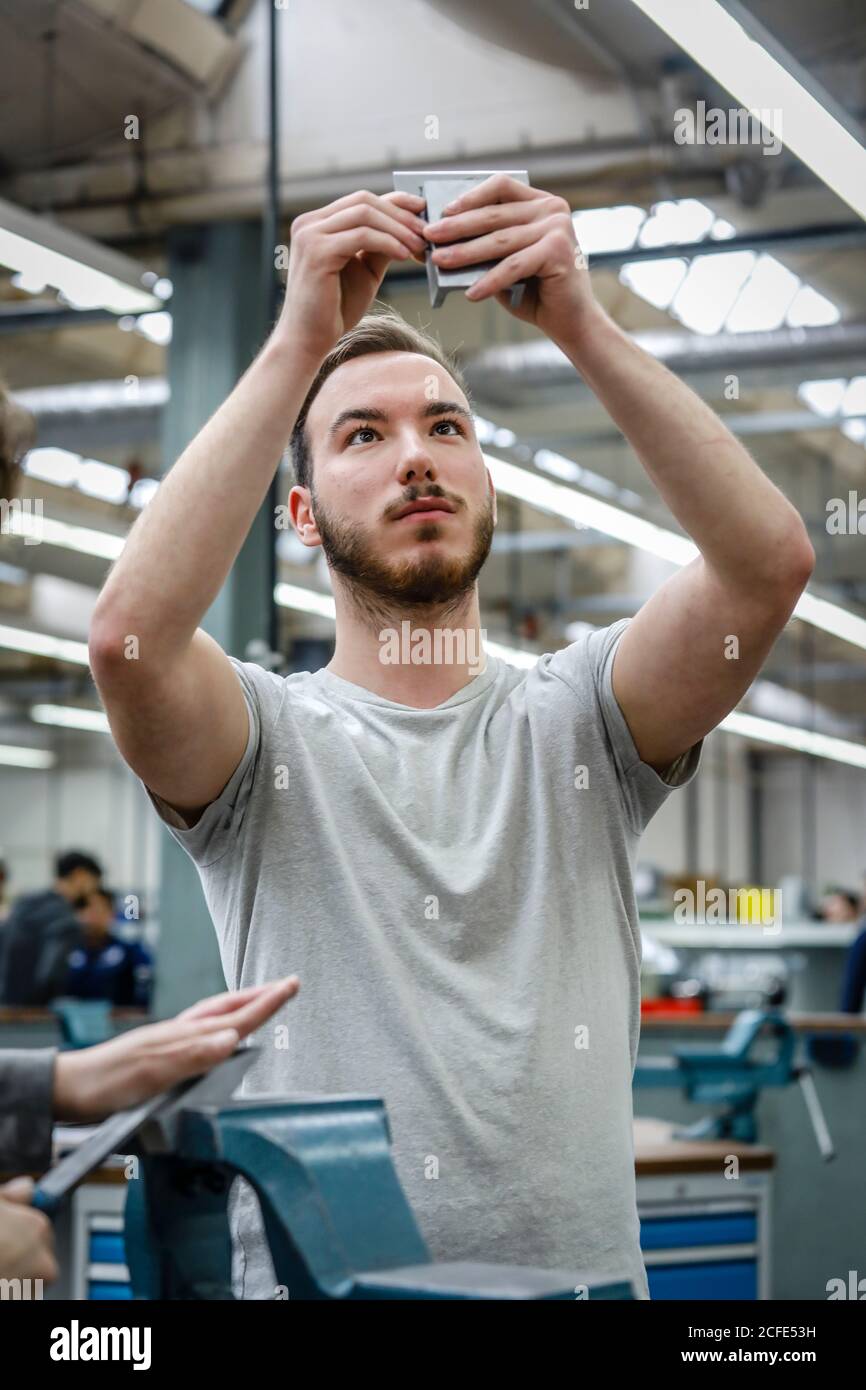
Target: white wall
89, 801
665, 841
840, 820
360, 81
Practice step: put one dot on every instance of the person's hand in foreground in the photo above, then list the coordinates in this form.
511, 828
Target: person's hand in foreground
93, 1082
26, 1235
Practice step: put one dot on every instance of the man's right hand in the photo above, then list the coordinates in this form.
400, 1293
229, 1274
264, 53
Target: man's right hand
338, 260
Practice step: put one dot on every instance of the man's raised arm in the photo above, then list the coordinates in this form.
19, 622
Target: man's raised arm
694, 648
176, 709
696, 645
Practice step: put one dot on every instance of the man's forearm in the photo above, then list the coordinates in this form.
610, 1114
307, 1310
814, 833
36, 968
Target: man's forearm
714, 489
182, 547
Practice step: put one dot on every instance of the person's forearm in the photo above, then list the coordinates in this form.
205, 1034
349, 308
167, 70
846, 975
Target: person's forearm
744, 527
183, 545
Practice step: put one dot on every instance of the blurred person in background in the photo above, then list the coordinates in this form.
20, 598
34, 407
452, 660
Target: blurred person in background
840, 1049
5, 904
41, 931
840, 905
104, 966
854, 972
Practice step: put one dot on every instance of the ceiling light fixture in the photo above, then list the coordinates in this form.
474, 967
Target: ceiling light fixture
87, 274
71, 717
739, 54
15, 755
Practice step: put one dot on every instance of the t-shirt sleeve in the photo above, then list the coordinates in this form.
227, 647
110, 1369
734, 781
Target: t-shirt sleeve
221, 823
643, 790
26, 1103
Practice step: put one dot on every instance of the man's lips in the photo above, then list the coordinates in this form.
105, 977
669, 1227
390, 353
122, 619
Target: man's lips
430, 507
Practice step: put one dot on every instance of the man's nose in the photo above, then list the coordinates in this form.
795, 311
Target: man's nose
416, 462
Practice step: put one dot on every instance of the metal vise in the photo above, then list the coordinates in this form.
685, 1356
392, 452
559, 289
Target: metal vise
336, 1218
730, 1075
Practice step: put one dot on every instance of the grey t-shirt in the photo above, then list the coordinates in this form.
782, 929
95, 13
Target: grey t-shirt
454, 888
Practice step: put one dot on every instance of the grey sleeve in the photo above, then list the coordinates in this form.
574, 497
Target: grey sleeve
26, 1104
221, 822
643, 789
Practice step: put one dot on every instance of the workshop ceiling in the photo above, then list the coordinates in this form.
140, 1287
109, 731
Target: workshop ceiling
582, 98
73, 70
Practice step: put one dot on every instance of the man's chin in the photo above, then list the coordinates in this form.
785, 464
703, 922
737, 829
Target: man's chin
424, 585
428, 577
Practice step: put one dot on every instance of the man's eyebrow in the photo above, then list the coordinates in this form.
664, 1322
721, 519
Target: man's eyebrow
446, 408
432, 408
355, 413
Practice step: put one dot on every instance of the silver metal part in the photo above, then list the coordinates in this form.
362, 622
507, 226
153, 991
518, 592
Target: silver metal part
154, 1122
439, 187
816, 1114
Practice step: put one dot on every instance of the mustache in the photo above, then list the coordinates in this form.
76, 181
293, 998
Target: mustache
414, 494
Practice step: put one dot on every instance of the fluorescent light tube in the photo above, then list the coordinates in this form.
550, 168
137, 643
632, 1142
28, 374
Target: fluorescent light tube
71, 717
18, 639
581, 510
829, 617
44, 531
15, 755
305, 600
840, 750
760, 82
88, 274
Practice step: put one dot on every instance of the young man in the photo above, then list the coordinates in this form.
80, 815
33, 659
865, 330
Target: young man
104, 966
42, 929
443, 855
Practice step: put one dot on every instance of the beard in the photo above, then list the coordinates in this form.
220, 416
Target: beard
428, 581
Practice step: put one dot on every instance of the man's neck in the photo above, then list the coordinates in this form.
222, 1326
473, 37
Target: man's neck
411, 656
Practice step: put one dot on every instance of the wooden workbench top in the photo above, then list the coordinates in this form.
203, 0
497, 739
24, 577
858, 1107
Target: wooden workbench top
657, 1153
26, 1013
801, 1023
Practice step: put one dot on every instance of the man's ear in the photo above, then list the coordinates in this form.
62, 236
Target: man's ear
300, 507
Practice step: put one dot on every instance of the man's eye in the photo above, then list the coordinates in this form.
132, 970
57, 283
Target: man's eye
368, 430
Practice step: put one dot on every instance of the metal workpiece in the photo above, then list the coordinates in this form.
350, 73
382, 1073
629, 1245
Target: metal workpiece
438, 188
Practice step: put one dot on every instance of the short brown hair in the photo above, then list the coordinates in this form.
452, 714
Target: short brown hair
381, 331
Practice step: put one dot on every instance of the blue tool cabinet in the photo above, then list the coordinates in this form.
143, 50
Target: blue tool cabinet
706, 1237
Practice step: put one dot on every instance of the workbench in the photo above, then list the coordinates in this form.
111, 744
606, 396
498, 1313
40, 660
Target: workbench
704, 1235
814, 1225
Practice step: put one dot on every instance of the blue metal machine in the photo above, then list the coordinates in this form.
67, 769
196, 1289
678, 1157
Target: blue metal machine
733, 1074
83, 1022
336, 1218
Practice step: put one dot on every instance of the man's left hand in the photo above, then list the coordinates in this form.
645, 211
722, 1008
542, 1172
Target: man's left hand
530, 234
